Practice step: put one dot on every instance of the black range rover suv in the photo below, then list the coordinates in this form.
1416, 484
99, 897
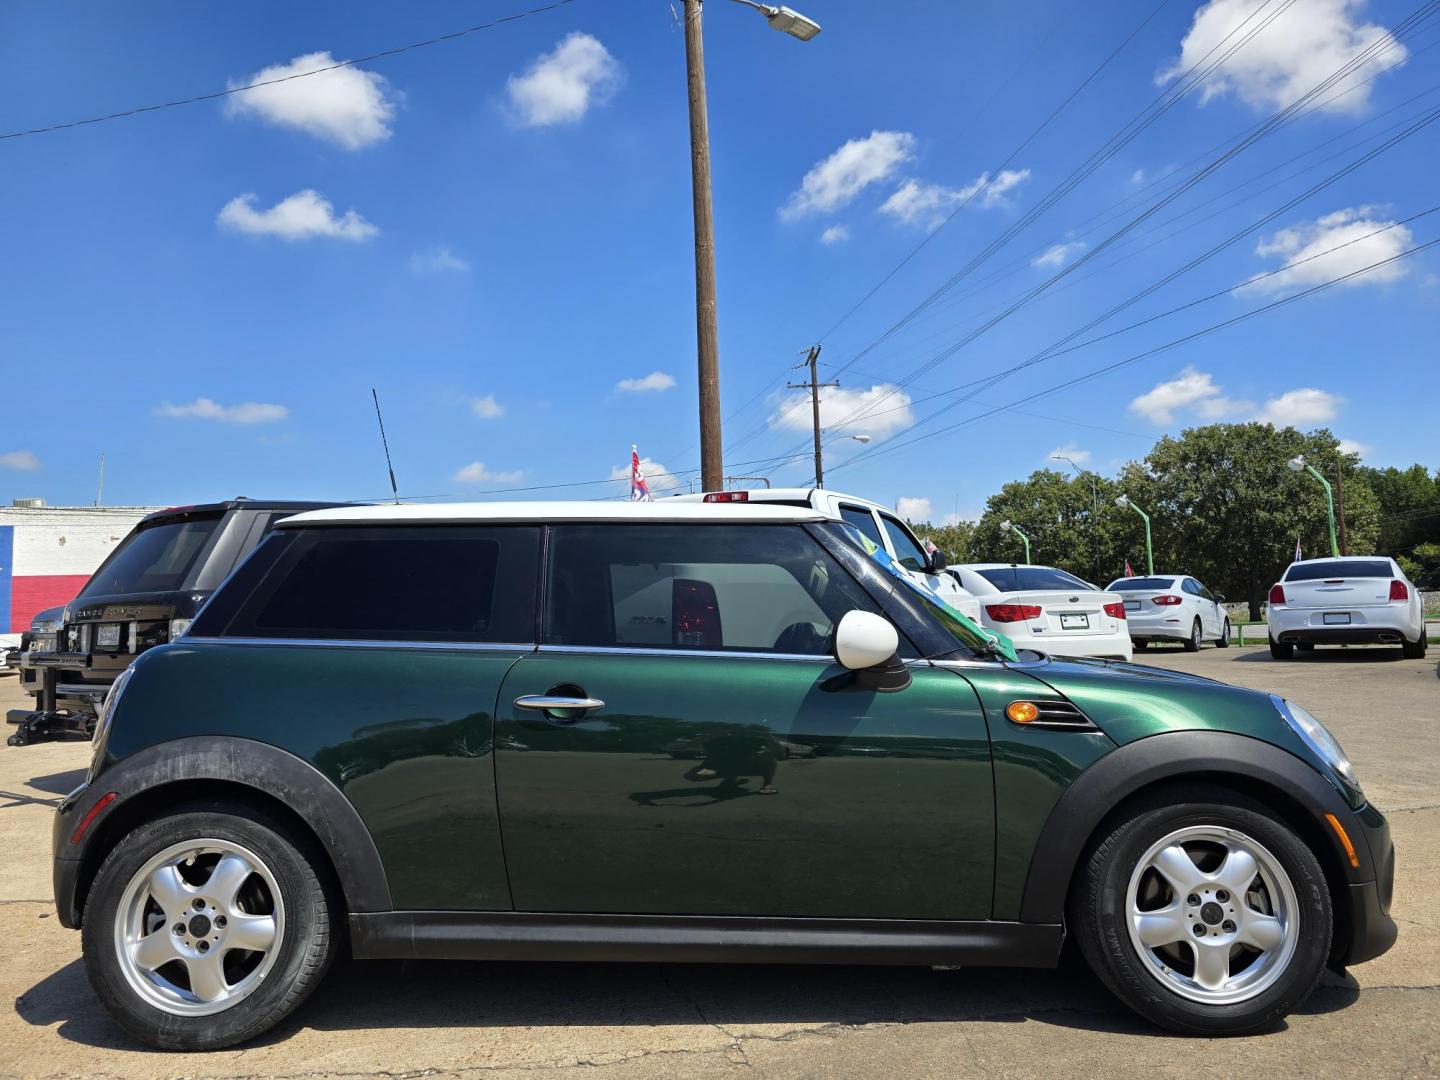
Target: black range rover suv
143, 595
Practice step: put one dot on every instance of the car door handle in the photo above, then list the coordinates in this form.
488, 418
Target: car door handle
552, 702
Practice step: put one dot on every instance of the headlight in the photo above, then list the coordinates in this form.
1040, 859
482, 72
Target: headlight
1318, 738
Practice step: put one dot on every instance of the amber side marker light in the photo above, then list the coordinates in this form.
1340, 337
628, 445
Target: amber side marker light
90, 816
1022, 712
1344, 840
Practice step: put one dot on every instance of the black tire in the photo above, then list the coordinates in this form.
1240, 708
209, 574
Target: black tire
1306, 646
305, 949
1098, 921
1223, 641
1415, 650
1192, 643
1280, 651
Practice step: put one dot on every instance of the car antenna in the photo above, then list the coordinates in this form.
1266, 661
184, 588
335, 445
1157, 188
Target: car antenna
395, 491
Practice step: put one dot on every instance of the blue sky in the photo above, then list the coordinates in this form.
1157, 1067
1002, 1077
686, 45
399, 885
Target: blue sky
495, 232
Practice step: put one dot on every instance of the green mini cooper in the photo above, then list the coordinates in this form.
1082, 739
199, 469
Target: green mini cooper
588, 731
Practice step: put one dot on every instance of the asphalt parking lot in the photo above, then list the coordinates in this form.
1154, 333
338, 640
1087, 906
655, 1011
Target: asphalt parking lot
399, 1020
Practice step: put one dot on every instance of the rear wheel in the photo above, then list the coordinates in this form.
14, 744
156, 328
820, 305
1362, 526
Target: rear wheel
1415, 650
205, 928
1306, 646
1192, 643
1281, 651
1206, 915
1223, 641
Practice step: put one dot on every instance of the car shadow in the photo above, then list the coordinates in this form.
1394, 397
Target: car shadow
59, 783
737, 998
1355, 654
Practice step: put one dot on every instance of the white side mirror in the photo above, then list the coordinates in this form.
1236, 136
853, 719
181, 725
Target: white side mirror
863, 640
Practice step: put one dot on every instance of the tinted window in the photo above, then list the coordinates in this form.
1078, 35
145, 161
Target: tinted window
1136, 584
1191, 586
863, 520
908, 552
1343, 568
153, 558
1031, 579
710, 588
419, 583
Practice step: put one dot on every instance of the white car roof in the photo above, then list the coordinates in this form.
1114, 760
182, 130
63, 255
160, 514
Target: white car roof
670, 510
791, 495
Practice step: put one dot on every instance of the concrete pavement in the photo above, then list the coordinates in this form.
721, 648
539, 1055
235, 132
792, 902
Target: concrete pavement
513, 1020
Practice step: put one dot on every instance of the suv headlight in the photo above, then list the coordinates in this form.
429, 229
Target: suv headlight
1317, 737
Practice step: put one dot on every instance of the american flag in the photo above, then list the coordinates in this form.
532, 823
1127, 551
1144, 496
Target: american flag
1298, 556
639, 490
1128, 571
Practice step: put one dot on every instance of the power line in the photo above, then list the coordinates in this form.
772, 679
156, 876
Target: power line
287, 78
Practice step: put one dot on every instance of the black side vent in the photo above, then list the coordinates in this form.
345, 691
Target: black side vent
1049, 715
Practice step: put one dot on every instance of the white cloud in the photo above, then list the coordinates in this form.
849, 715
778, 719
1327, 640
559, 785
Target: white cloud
1137, 177
438, 260
22, 460
304, 215
487, 408
927, 205
1351, 446
656, 380
1191, 389
1301, 247
914, 509
1058, 255
1069, 450
477, 473
832, 183
835, 234
1304, 407
346, 106
891, 411
1289, 57
203, 408
561, 85
657, 477
971, 516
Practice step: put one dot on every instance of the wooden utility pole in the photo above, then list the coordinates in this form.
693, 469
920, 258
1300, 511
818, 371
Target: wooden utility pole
1340, 505
707, 331
814, 386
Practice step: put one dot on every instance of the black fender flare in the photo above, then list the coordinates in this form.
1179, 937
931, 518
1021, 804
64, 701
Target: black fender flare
1174, 755
268, 770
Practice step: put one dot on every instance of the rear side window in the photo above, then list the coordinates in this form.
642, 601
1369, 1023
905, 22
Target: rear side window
1139, 584
1032, 579
1191, 586
1344, 568
420, 583
154, 558
710, 588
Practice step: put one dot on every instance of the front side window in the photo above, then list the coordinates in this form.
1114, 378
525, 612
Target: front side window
908, 552
416, 583
154, 558
712, 588
863, 520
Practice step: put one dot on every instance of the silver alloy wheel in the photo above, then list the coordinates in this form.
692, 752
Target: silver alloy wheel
1219, 930
1196, 634
199, 927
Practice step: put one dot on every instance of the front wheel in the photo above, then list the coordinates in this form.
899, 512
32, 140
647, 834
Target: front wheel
1223, 641
206, 928
1204, 914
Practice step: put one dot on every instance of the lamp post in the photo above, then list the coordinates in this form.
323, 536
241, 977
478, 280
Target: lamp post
1016, 530
819, 462
707, 326
1124, 501
1297, 463
1094, 510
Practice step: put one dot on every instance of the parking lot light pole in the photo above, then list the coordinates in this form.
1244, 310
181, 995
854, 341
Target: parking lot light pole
1298, 463
707, 325
1124, 501
1016, 530
1094, 508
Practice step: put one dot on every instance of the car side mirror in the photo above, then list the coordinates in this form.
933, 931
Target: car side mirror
937, 561
1219, 598
865, 640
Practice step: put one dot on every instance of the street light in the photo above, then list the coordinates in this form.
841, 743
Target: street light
1016, 530
1094, 509
1298, 463
707, 326
1123, 501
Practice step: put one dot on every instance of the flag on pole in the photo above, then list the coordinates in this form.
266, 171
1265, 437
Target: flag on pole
1128, 571
1298, 556
639, 489
930, 547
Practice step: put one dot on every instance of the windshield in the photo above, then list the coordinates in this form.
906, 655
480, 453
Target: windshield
154, 558
1343, 568
1135, 584
962, 629
1032, 579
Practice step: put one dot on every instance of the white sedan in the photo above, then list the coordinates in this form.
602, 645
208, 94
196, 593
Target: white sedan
1040, 607
1173, 607
1345, 601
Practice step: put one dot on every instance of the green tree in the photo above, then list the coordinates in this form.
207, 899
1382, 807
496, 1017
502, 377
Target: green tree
1066, 529
1409, 508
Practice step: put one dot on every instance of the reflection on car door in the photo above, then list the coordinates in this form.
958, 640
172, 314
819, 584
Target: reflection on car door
733, 767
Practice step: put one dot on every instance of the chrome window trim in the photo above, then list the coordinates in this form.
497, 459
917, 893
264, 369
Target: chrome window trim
703, 654
364, 643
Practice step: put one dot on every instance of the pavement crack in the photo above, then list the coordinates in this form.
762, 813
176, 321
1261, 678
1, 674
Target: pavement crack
736, 1050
